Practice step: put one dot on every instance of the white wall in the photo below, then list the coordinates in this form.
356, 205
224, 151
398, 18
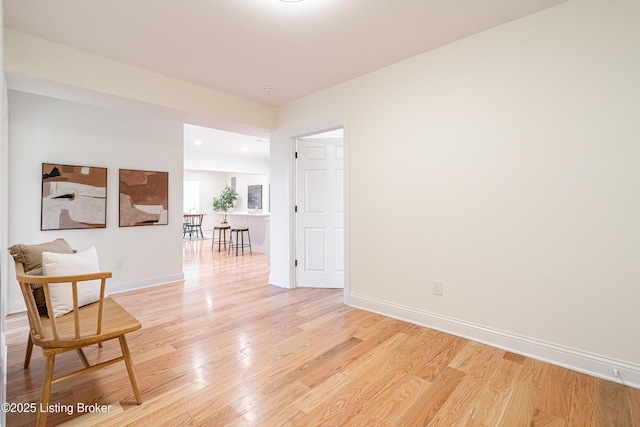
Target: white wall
212, 183
47, 68
4, 227
47, 130
506, 166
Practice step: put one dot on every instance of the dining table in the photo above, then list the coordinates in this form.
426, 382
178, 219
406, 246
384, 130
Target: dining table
192, 223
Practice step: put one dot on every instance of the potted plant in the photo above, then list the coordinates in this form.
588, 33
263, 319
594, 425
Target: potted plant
226, 201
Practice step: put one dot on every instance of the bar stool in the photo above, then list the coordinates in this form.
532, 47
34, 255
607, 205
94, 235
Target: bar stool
239, 243
222, 230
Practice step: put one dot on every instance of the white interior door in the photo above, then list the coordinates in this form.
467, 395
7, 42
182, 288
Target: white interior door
320, 213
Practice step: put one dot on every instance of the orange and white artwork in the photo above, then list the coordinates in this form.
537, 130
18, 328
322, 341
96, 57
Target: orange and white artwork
73, 197
144, 198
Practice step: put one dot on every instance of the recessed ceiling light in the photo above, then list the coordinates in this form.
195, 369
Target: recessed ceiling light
290, 1
268, 89
245, 149
197, 142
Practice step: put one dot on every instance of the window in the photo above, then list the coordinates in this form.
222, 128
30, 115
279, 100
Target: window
191, 196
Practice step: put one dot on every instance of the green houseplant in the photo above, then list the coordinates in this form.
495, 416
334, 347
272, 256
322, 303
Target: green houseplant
226, 201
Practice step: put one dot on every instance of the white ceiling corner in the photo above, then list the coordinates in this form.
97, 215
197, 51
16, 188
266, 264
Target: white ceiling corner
242, 46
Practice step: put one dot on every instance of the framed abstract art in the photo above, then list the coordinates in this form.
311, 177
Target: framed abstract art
144, 198
254, 197
73, 197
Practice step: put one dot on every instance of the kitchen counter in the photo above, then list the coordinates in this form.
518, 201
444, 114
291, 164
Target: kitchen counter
258, 222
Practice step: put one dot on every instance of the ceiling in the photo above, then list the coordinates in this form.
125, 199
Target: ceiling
200, 141
242, 46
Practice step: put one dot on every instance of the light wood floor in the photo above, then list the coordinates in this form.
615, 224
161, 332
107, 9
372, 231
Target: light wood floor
225, 348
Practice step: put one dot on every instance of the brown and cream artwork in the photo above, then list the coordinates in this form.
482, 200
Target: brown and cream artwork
73, 197
144, 198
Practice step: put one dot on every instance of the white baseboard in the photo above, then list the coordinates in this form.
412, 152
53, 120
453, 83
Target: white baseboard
18, 306
577, 360
280, 282
145, 283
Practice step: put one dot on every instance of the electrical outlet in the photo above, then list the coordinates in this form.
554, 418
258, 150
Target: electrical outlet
437, 287
117, 264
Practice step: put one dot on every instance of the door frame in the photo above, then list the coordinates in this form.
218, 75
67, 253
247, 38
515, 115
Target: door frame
292, 201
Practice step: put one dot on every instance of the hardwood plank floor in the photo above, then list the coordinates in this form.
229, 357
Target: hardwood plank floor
224, 348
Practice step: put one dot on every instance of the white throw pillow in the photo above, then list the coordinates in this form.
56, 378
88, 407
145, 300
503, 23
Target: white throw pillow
84, 262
